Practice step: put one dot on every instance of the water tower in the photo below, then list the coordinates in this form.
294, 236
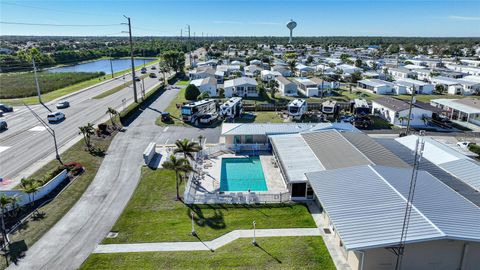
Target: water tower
291, 25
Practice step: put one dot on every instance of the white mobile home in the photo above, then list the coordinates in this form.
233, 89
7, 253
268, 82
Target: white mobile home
376, 86
241, 87
286, 87
400, 73
208, 85
307, 87
395, 111
414, 85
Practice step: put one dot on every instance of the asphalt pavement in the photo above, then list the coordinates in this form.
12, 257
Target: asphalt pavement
67, 244
27, 145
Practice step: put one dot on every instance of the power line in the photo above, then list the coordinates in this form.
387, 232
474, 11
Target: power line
52, 24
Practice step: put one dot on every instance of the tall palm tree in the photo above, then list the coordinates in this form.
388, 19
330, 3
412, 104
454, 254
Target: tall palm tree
187, 148
164, 68
402, 119
87, 131
179, 166
112, 113
4, 202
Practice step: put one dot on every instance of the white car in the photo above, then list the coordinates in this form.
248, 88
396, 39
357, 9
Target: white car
207, 118
55, 117
464, 144
63, 104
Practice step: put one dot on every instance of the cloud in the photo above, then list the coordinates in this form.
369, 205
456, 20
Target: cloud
244, 23
463, 18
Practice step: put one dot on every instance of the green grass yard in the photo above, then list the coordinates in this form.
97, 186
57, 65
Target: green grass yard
153, 214
272, 253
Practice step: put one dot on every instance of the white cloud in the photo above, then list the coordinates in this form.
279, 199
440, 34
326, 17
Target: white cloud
463, 18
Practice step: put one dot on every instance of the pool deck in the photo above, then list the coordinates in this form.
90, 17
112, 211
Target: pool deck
212, 170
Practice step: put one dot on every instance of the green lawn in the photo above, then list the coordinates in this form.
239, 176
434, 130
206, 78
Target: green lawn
182, 83
272, 253
52, 212
153, 214
66, 90
174, 111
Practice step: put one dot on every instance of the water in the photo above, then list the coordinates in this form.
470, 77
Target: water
242, 174
101, 65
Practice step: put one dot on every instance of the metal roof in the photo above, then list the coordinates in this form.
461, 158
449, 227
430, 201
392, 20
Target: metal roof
295, 156
280, 128
456, 184
453, 103
465, 170
333, 150
376, 153
392, 103
366, 205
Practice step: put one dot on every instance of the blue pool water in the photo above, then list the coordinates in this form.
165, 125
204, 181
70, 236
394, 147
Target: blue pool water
102, 65
242, 174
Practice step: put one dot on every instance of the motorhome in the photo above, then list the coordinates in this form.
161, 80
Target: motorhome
329, 106
361, 107
297, 108
232, 108
192, 111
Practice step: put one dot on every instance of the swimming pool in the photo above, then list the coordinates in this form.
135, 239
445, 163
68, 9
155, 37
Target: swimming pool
242, 174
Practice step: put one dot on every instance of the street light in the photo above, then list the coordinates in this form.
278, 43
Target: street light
254, 241
49, 129
194, 233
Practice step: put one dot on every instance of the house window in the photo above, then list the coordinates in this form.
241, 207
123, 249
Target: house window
237, 139
248, 138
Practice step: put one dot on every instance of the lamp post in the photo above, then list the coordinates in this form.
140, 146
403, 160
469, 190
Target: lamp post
194, 233
254, 241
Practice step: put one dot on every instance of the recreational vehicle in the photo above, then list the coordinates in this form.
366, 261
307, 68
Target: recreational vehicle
192, 111
329, 106
361, 107
297, 108
232, 108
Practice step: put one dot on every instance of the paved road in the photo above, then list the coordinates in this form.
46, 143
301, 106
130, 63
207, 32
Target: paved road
76, 235
26, 142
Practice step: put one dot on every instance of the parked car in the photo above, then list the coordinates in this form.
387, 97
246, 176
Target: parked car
3, 125
166, 117
464, 144
136, 78
152, 75
207, 118
154, 67
63, 104
6, 108
55, 117
143, 70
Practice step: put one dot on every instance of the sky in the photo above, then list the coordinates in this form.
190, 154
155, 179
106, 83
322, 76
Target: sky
242, 18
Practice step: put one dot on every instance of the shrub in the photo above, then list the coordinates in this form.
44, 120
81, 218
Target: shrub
474, 148
192, 92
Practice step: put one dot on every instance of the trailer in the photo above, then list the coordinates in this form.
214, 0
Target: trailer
232, 108
297, 108
329, 107
361, 107
192, 111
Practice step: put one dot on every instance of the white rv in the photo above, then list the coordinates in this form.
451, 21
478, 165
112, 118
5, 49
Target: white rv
329, 106
297, 108
192, 111
232, 108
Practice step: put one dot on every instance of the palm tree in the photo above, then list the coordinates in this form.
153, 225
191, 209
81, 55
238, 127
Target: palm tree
203, 95
292, 64
30, 186
164, 68
4, 202
425, 119
87, 132
187, 148
179, 166
402, 119
112, 113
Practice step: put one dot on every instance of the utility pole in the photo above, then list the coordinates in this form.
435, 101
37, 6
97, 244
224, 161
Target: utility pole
412, 101
36, 80
111, 65
189, 49
131, 57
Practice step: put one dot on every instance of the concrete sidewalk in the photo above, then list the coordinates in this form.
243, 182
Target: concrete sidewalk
207, 245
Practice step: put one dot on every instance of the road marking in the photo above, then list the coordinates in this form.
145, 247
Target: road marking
38, 128
166, 141
165, 129
3, 148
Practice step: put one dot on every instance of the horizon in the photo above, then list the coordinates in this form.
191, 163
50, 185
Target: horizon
245, 18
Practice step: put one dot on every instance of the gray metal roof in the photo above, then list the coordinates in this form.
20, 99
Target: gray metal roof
465, 170
366, 205
333, 150
392, 103
376, 153
280, 128
406, 155
295, 156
